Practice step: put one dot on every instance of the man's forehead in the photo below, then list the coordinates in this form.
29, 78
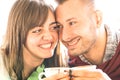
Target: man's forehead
69, 4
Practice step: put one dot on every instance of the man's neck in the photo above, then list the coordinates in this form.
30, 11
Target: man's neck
96, 54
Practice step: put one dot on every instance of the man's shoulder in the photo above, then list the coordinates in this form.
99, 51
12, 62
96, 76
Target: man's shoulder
118, 34
113, 33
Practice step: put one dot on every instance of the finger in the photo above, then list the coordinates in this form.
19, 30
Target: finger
96, 74
58, 76
62, 75
84, 73
65, 78
84, 78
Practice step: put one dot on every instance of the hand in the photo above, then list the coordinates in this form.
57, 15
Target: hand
59, 76
95, 74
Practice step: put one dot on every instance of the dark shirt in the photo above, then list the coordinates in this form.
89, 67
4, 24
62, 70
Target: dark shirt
110, 67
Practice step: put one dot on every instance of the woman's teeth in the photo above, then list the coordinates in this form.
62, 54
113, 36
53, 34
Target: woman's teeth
46, 45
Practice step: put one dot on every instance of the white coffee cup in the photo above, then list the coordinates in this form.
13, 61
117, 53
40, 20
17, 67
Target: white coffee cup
55, 70
85, 67
52, 71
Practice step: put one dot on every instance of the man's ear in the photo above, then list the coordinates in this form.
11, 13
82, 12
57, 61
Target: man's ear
99, 17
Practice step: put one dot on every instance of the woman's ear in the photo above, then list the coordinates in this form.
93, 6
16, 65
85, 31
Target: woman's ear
99, 17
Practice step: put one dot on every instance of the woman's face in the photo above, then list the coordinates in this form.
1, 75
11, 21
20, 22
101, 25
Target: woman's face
41, 40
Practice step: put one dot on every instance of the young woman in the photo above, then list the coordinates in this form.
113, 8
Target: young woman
31, 37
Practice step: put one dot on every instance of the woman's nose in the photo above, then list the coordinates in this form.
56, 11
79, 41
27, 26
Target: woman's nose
47, 35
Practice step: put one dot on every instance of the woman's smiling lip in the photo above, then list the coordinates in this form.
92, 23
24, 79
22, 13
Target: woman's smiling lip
46, 45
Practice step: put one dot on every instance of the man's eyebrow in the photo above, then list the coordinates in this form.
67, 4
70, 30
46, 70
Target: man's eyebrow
70, 19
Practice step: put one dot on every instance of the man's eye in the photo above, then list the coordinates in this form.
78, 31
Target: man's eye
72, 23
36, 31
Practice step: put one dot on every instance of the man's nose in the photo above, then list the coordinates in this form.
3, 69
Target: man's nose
66, 34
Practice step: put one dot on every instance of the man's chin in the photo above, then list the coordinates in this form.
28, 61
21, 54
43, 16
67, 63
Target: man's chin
72, 53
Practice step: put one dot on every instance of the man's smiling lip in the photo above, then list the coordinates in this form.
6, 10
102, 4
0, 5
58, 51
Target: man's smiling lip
72, 43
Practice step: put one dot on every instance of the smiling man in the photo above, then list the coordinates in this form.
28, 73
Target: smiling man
88, 39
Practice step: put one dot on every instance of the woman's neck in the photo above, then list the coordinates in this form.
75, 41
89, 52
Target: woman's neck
30, 64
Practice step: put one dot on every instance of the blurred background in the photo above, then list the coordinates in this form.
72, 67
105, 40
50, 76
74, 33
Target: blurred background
111, 10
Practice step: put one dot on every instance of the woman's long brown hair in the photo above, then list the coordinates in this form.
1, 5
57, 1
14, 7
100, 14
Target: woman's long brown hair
24, 15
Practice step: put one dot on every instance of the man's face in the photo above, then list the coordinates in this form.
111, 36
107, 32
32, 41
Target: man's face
78, 32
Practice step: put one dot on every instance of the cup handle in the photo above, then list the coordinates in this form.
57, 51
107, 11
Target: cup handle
40, 75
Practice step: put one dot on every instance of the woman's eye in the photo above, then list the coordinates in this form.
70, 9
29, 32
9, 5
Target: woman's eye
36, 31
55, 28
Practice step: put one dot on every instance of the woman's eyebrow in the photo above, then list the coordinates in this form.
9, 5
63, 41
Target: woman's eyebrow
53, 23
